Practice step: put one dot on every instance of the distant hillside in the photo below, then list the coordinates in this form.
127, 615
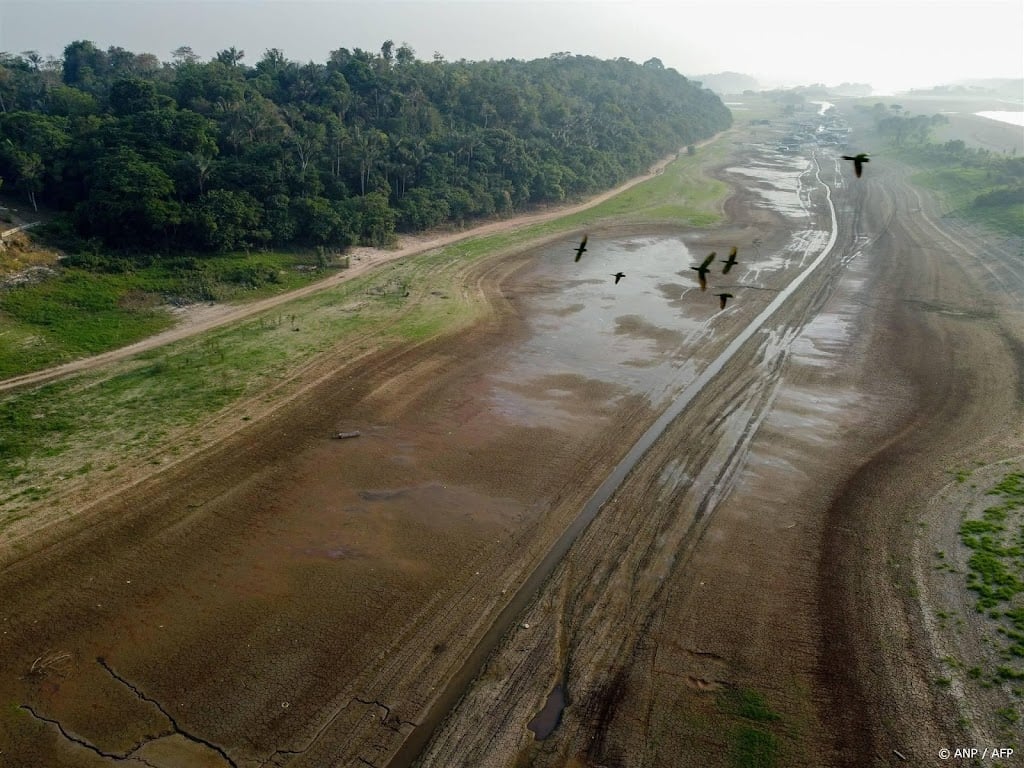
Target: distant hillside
728, 82
851, 90
1001, 87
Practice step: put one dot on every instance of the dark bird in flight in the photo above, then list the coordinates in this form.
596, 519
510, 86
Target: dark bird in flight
703, 269
722, 298
730, 262
618, 276
582, 247
858, 162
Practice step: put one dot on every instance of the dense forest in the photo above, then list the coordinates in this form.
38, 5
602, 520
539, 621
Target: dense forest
141, 155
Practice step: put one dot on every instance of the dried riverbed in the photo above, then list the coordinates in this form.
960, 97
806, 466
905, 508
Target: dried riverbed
290, 599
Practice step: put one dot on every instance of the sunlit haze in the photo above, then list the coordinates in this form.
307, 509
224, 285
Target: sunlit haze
891, 45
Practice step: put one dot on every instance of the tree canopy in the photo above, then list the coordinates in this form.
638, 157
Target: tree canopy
217, 155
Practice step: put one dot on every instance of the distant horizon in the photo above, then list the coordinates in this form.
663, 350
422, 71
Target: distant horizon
906, 44
763, 84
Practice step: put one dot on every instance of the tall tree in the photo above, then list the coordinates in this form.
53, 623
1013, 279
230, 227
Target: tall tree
183, 55
131, 200
230, 57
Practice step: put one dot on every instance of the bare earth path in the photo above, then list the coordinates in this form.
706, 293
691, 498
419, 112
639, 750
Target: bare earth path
284, 599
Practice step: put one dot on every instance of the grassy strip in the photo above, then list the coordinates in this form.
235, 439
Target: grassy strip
98, 422
976, 184
74, 314
983, 188
996, 575
960, 188
82, 311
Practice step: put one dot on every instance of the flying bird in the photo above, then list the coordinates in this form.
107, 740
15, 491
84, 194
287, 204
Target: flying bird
722, 298
729, 262
582, 247
618, 276
703, 269
858, 162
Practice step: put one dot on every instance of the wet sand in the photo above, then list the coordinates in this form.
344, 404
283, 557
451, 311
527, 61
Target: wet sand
289, 599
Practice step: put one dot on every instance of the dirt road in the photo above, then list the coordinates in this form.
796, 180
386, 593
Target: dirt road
289, 599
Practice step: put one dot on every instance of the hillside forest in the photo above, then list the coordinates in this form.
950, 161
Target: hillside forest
143, 156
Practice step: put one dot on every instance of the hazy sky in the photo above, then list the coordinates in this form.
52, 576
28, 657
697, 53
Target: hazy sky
892, 44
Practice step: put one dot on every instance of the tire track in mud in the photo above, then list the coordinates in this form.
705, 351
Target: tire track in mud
723, 442
958, 307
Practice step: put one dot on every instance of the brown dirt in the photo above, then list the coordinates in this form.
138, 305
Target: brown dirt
288, 599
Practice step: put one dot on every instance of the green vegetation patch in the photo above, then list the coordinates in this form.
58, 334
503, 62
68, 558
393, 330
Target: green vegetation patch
977, 195
32, 423
74, 314
126, 412
103, 303
753, 742
976, 184
996, 562
681, 193
754, 748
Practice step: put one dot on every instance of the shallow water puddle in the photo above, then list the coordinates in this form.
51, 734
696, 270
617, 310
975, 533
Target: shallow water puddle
545, 722
780, 189
636, 336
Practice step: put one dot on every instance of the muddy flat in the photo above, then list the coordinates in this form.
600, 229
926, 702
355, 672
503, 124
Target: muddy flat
290, 599
748, 596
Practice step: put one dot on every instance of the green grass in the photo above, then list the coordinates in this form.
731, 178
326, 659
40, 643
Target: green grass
754, 748
752, 742
961, 475
682, 193
1009, 715
962, 180
75, 314
83, 426
748, 704
959, 188
83, 312
996, 562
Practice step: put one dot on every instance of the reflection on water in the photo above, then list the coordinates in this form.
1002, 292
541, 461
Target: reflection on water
637, 335
1013, 118
779, 182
